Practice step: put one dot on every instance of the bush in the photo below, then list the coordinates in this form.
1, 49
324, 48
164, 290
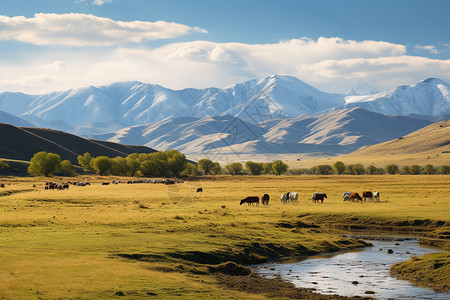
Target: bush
253, 168
324, 170
67, 169
444, 169
234, 168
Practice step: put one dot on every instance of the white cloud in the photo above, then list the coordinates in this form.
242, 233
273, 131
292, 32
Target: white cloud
431, 49
330, 64
86, 30
101, 2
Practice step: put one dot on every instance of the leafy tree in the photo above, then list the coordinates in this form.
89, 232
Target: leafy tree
191, 170
119, 166
45, 164
148, 168
380, 171
267, 168
177, 162
279, 167
101, 164
429, 169
67, 169
444, 169
3, 165
324, 170
85, 162
312, 170
358, 169
217, 169
339, 167
206, 166
406, 170
392, 169
133, 165
349, 169
415, 169
234, 168
371, 169
253, 168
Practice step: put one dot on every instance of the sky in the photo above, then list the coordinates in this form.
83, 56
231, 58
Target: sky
54, 45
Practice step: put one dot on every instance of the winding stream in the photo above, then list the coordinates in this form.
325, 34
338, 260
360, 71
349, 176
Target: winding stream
356, 272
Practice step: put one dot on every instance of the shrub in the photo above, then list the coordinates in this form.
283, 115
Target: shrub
324, 170
444, 169
234, 168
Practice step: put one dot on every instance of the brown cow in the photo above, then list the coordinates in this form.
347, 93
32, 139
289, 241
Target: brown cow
354, 196
265, 199
250, 200
367, 194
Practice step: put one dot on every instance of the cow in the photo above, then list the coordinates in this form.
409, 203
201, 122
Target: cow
293, 197
316, 197
354, 196
250, 200
265, 199
105, 183
346, 196
65, 186
367, 194
284, 198
2, 185
376, 196
200, 190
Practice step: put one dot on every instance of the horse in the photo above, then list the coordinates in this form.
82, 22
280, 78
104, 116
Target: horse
293, 197
354, 196
250, 200
376, 196
265, 199
200, 190
284, 198
346, 196
316, 197
367, 194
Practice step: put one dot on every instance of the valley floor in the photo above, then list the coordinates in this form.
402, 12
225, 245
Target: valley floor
142, 240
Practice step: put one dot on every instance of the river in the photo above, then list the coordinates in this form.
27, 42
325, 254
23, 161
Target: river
364, 272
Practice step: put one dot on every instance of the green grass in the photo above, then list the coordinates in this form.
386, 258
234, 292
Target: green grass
92, 242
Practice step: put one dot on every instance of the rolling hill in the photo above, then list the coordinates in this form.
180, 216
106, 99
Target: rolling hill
428, 145
21, 143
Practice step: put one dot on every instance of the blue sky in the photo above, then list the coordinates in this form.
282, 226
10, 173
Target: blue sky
333, 45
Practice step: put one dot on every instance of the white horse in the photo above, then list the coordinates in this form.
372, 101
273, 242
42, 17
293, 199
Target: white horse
293, 197
284, 198
376, 196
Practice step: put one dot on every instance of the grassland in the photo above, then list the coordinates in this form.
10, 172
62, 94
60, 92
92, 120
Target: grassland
145, 240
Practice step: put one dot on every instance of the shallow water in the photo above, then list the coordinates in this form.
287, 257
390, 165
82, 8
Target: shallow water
353, 273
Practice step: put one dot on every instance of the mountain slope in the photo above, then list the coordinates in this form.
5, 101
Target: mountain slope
22, 143
339, 131
13, 120
429, 97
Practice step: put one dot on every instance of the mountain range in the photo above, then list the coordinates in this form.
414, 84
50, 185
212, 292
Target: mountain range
276, 113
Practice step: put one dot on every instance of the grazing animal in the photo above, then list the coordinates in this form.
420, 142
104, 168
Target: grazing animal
293, 197
65, 186
251, 200
265, 199
2, 185
346, 196
367, 194
105, 183
316, 197
200, 190
284, 198
376, 196
354, 196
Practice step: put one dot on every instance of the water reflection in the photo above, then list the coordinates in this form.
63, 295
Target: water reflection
356, 273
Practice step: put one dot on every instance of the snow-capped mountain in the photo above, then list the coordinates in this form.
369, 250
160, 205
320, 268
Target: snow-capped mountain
362, 89
339, 131
429, 97
13, 120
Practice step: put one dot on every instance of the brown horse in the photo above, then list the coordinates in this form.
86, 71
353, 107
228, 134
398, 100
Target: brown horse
367, 194
316, 197
265, 199
250, 200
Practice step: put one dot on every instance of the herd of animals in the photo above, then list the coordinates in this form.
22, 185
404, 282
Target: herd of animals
289, 197
292, 197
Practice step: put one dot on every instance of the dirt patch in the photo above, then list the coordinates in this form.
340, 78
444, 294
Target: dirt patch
273, 288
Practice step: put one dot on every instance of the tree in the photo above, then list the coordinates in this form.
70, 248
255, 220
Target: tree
217, 169
101, 164
339, 167
133, 165
406, 170
380, 171
253, 168
177, 162
205, 165
392, 169
358, 169
119, 166
67, 169
349, 169
444, 169
371, 169
234, 168
279, 167
191, 170
429, 169
45, 164
267, 168
324, 170
85, 162
415, 169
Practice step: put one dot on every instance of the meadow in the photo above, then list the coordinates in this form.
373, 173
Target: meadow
152, 240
